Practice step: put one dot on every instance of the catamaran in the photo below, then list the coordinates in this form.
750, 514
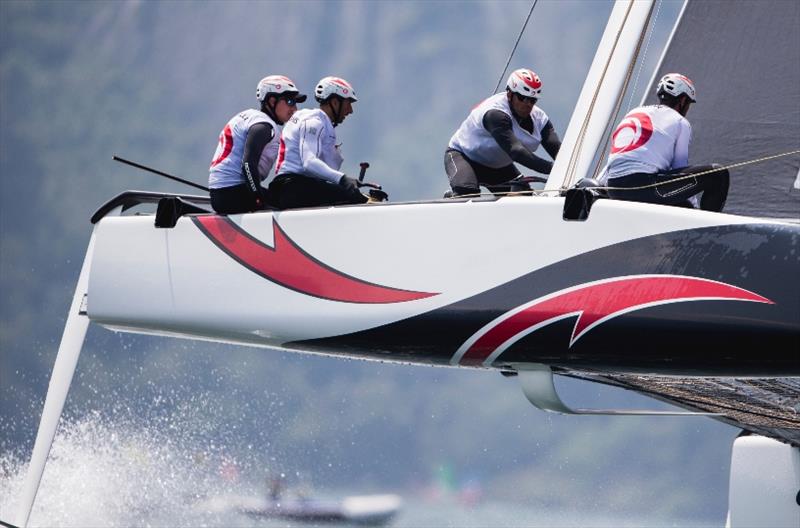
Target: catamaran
697, 308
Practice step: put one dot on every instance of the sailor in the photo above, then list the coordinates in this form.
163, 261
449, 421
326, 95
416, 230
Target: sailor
248, 146
505, 128
651, 145
275, 488
308, 165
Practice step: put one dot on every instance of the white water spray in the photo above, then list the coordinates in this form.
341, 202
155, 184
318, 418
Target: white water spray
120, 472
68, 352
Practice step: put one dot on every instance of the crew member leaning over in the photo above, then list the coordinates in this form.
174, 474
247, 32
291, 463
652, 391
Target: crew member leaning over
650, 148
505, 128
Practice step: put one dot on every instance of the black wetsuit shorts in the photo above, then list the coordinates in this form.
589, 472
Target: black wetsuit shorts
714, 187
466, 176
291, 191
238, 199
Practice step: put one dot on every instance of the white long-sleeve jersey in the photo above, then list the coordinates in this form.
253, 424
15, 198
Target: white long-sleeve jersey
308, 147
649, 139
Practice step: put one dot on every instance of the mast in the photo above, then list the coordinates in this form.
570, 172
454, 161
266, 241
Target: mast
602, 88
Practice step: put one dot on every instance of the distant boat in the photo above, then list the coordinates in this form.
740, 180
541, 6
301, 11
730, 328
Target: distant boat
367, 510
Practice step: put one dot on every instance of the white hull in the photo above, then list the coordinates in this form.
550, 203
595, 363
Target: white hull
178, 282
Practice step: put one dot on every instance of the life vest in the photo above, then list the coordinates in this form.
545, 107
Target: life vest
474, 141
226, 166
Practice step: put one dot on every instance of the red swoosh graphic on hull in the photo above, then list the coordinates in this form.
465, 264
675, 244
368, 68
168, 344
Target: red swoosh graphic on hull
594, 304
288, 265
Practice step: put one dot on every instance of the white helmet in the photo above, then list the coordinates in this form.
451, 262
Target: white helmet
675, 85
525, 82
329, 86
277, 85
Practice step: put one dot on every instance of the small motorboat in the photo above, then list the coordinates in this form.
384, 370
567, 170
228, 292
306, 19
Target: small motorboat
372, 510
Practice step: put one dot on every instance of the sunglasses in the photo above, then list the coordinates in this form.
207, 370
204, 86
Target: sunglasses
291, 101
526, 98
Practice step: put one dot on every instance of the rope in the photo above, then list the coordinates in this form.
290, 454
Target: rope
618, 104
535, 192
572, 165
703, 173
500, 80
644, 55
532, 192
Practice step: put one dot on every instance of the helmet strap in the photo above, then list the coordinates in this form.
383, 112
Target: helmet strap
337, 112
683, 104
270, 109
511, 95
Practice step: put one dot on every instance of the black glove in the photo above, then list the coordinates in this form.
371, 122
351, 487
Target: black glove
349, 184
352, 194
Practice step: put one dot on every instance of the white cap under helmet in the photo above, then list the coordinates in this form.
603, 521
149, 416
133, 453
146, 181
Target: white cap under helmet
525, 82
277, 85
676, 85
329, 86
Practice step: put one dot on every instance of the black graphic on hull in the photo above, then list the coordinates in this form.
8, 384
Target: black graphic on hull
708, 337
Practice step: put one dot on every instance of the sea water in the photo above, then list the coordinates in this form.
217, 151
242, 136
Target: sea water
108, 472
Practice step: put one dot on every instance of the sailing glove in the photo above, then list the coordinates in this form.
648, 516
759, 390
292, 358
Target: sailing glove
349, 184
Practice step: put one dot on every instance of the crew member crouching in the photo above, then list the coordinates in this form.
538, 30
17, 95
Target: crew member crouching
651, 145
505, 128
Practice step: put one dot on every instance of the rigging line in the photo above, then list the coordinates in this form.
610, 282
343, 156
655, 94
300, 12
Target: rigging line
618, 104
500, 80
500, 194
573, 160
540, 192
644, 55
703, 173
